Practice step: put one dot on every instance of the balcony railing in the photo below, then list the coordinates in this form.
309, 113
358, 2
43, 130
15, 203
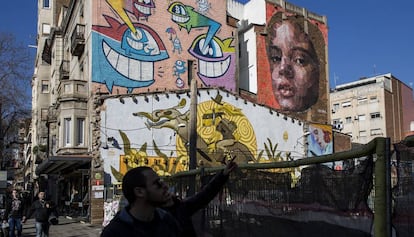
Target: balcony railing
64, 70
78, 40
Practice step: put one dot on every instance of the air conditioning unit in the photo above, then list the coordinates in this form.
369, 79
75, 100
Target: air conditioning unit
338, 126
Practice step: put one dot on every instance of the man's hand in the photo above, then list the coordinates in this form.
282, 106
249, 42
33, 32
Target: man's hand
230, 166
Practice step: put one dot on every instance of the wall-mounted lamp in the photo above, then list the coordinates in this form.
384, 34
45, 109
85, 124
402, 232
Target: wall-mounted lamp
121, 100
135, 99
146, 98
157, 98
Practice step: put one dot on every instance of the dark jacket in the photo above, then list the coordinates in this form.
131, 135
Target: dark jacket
184, 209
42, 210
123, 224
15, 208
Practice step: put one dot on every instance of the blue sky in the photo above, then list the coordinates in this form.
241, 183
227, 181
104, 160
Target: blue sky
365, 37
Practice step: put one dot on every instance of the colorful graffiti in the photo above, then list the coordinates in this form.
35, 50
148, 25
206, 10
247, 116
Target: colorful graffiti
153, 130
320, 140
129, 50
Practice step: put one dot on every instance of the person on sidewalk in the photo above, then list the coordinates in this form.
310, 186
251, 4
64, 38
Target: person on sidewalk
42, 210
183, 210
15, 213
145, 192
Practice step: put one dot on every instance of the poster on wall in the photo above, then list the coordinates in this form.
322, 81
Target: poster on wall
320, 140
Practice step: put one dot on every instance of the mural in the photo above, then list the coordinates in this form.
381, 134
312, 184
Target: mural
320, 140
296, 81
153, 130
134, 51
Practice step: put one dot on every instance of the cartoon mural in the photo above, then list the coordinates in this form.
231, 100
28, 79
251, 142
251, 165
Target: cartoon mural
154, 130
133, 51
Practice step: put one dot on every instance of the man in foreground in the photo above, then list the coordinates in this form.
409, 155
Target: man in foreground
145, 192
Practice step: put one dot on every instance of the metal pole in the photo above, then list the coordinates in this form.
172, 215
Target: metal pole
193, 135
388, 186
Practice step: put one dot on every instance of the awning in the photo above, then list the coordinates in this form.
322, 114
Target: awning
63, 164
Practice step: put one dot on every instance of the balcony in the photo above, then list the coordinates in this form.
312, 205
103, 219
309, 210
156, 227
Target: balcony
64, 70
78, 40
71, 90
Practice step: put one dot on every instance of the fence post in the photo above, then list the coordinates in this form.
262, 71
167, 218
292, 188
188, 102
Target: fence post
382, 223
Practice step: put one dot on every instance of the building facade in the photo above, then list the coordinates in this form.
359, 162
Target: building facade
112, 90
379, 106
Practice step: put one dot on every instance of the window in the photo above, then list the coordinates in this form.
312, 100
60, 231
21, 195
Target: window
361, 117
348, 119
376, 132
335, 107
66, 131
375, 115
45, 86
336, 121
43, 114
362, 100
45, 29
80, 132
373, 99
362, 133
46, 4
346, 104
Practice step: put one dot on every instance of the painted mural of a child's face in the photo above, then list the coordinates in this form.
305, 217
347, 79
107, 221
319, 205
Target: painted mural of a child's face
294, 67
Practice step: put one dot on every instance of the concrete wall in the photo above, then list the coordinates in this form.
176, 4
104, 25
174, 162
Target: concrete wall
158, 46
154, 131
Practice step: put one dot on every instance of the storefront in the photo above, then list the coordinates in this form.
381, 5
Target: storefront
66, 179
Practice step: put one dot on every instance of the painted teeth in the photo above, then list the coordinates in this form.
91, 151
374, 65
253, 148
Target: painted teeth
180, 19
143, 9
214, 69
128, 67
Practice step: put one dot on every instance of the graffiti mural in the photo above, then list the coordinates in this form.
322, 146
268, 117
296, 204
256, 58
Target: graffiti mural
320, 140
294, 70
133, 50
153, 130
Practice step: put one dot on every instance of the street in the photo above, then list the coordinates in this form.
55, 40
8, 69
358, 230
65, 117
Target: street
65, 228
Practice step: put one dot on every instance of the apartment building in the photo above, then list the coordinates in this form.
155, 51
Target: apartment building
379, 106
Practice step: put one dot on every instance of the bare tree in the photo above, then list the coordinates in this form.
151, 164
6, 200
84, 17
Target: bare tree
15, 92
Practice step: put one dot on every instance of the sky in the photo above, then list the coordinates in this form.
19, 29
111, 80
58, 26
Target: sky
365, 37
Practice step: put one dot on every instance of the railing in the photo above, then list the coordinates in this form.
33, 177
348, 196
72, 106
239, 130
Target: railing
78, 40
64, 70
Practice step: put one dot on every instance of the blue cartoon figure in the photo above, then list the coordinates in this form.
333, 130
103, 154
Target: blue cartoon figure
179, 68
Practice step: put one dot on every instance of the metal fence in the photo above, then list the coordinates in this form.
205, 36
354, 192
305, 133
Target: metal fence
308, 198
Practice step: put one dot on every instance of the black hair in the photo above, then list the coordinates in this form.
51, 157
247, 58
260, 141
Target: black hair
133, 178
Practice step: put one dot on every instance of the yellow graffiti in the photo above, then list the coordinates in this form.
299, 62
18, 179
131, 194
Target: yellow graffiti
118, 6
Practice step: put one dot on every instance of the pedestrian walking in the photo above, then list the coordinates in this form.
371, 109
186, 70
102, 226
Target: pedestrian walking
145, 192
15, 213
43, 211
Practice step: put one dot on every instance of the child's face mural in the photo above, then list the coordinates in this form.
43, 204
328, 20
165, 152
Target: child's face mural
294, 67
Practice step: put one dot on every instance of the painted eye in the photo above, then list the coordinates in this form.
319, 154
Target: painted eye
212, 50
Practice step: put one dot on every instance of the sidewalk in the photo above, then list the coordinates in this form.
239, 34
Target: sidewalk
65, 228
